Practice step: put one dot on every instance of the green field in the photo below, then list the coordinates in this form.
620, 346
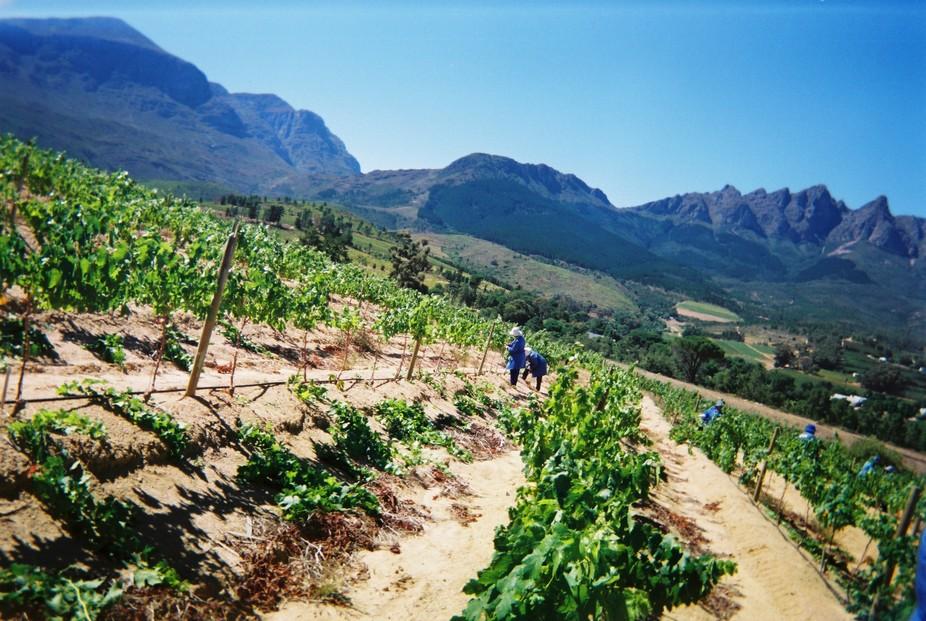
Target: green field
754, 353
712, 310
531, 273
823, 377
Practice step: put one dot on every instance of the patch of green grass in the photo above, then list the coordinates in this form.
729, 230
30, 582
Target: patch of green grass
531, 273
763, 348
817, 378
713, 310
742, 350
836, 377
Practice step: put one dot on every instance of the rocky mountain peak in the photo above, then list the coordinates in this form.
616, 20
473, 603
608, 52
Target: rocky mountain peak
541, 178
874, 223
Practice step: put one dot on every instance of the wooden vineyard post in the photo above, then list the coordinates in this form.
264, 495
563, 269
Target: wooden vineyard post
213, 314
485, 352
771, 446
6, 383
398, 372
373, 372
411, 364
902, 527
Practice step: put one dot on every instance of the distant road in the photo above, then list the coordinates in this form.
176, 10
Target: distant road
913, 460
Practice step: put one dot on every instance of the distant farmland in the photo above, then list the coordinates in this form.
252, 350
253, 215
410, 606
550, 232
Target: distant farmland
706, 312
754, 353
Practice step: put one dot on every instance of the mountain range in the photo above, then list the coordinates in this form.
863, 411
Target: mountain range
107, 94
104, 92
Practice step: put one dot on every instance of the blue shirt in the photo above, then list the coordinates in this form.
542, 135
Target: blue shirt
537, 364
869, 467
516, 353
919, 613
708, 416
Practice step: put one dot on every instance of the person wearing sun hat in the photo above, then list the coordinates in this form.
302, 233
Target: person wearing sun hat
516, 354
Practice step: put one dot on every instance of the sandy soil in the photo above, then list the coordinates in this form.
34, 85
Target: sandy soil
774, 580
69, 334
912, 459
852, 540
190, 509
424, 580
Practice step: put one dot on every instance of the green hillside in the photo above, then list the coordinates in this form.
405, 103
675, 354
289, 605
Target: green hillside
532, 274
505, 212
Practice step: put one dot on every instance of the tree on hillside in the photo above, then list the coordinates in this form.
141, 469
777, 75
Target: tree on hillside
410, 262
273, 214
784, 355
691, 352
827, 353
882, 378
326, 232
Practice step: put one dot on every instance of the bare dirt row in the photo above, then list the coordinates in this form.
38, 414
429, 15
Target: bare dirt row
217, 532
224, 535
913, 460
773, 580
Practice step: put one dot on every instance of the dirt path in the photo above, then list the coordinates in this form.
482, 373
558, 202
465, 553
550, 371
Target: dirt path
912, 459
773, 581
423, 582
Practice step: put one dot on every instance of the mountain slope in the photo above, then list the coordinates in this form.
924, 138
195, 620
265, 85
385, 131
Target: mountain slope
104, 92
792, 255
107, 94
781, 234
796, 256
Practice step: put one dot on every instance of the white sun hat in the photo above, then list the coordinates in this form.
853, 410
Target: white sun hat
516, 332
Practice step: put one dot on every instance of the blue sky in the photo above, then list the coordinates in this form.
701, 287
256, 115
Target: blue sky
641, 99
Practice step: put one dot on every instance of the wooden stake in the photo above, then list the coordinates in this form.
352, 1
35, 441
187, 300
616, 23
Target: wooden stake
862, 557
305, 356
902, 527
781, 507
6, 383
485, 352
904, 524
826, 548
440, 356
157, 365
771, 446
238, 337
346, 353
411, 364
213, 314
27, 345
398, 372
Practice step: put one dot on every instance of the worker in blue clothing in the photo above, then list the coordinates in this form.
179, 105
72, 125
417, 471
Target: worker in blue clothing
713, 412
810, 433
516, 354
869, 466
536, 365
919, 613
